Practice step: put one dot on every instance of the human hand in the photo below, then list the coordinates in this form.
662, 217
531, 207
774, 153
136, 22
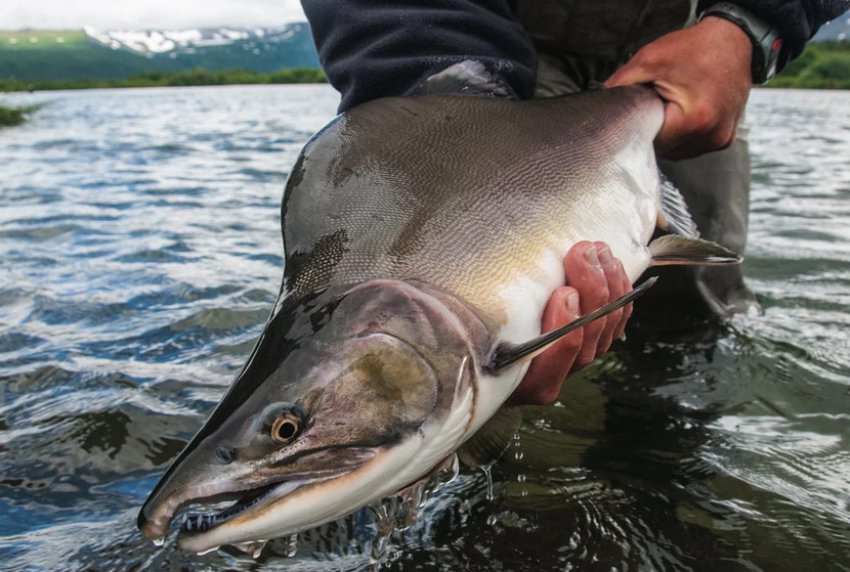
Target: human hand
595, 278
703, 72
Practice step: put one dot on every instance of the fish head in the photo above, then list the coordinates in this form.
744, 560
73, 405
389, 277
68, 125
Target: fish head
319, 425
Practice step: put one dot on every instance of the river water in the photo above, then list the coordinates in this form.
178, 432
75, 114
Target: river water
140, 255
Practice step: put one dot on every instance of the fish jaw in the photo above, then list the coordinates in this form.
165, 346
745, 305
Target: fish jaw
292, 507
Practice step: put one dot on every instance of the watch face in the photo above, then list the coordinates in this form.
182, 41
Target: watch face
772, 57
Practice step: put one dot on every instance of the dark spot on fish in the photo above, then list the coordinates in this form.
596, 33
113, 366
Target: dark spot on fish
297, 173
307, 270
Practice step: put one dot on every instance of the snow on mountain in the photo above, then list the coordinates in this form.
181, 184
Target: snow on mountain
151, 42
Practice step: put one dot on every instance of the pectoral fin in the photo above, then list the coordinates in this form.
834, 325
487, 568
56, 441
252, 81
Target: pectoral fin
490, 442
673, 215
507, 354
672, 249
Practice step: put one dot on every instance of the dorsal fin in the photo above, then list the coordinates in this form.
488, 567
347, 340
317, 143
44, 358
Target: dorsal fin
469, 77
674, 216
506, 354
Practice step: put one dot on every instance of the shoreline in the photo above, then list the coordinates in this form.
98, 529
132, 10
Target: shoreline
196, 77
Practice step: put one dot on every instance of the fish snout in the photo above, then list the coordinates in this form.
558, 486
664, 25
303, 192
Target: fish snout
154, 519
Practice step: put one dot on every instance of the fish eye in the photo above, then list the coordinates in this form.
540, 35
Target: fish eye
226, 454
285, 428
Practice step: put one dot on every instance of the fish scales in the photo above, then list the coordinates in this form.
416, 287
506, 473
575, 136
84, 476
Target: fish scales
471, 194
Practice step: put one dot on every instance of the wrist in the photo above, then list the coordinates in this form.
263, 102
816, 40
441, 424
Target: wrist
764, 40
732, 46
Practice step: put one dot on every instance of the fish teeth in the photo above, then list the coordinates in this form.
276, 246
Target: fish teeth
203, 522
199, 522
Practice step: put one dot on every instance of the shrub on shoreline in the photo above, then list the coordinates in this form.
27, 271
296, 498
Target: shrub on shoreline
824, 65
10, 116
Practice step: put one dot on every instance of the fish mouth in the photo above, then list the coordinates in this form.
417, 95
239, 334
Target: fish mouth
206, 514
198, 523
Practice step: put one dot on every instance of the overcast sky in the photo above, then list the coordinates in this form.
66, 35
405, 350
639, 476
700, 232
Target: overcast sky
138, 14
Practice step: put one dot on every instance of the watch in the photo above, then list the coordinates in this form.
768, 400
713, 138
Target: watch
765, 38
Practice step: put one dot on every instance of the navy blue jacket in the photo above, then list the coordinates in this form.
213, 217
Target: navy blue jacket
377, 48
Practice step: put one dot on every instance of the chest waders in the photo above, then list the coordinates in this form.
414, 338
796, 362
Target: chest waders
580, 44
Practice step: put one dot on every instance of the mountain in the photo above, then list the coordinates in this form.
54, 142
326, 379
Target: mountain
43, 55
838, 29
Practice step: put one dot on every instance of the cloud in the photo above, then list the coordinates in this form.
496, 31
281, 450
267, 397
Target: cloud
140, 14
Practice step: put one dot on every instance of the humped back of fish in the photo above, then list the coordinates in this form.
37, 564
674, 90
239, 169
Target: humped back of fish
479, 196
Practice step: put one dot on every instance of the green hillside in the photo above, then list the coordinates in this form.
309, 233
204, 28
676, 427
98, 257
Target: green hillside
62, 55
29, 40
76, 59
821, 65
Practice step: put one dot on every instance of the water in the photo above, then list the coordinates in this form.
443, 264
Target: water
140, 254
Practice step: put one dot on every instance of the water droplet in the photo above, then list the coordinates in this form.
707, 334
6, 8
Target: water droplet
408, 508
463, 511
379, 550
386, 525
488, 473
419, 495
449, 471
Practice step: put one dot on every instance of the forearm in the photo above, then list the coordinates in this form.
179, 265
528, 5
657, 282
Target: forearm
796, 20
379, 48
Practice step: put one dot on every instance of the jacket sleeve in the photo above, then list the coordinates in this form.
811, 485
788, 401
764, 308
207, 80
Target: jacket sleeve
796, 20
377, 48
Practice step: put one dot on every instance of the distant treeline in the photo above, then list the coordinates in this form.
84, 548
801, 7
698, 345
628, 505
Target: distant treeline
181, 78
824, 65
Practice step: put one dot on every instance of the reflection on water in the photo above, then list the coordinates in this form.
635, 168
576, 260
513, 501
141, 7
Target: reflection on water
140, 254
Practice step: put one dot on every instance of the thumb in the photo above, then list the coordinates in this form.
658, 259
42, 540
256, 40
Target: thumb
631, 73
668, 138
